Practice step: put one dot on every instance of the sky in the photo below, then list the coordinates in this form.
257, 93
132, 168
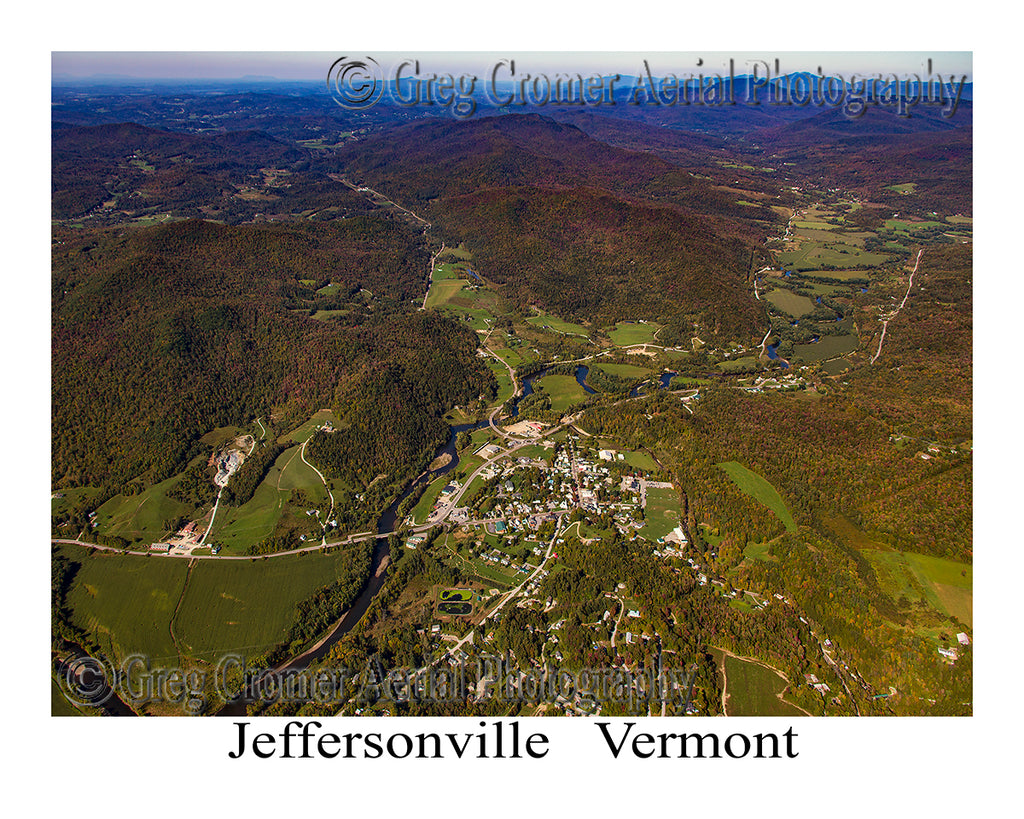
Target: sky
313, 65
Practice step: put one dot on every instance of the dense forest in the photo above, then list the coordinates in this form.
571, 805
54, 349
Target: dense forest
196, 323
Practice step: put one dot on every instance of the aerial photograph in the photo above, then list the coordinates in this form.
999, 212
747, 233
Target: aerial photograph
511, 384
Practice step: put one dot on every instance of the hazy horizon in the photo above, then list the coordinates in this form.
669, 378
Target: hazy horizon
201, 66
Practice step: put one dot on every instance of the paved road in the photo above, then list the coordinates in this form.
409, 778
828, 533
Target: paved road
357, 537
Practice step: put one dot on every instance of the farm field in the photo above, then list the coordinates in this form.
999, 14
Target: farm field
327, 315
504, 380
745, 363
441, 292
626, 333
791, 303
758, 551
72, 498
141, 517
477, 318
945, 585
839, 275
812, 255
827, 347
445, 271
836, 366
752, 690
126, 602
759, 489
237, 528
59, 705
624, 370
558, 325
249, 606
564, 390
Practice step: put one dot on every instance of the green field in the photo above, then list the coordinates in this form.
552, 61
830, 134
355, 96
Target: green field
444, 272
745, 363
827, 347
59, 705
564, 390
327, 315
641, 460
441, 292
901, 226
661, 515
300, 434
558, 325
459, 253
236, 528
906, 187
76, 497
126, 601
248, 606
628, 332
758, 551
624, 370
790, 303
753, 690
429, 497
945, 585
504, 380
837, 366
821, 232
840, 275
812, 255
759, 489
141, 517
475, 317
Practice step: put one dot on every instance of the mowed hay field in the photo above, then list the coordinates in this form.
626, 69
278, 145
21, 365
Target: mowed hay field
793, 304
759, 489
249, 606
624, 370
628, 332
142, 516
753, 690
564, 391
238, 527
125, 601
827, 347
945, 585
558, 325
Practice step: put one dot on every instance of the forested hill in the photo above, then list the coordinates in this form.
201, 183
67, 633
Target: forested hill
162, 334
590, 255
572, 225
424, 163
131, 163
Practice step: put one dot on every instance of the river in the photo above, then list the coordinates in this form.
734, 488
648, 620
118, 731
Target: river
386, 524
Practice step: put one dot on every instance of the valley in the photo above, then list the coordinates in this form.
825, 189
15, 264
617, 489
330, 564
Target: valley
442, 392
